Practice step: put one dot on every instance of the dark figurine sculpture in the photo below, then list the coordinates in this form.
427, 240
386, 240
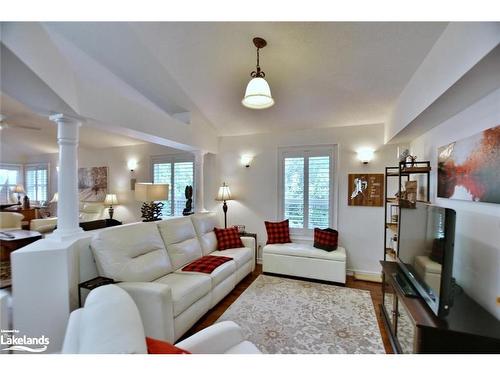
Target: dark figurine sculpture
188, 192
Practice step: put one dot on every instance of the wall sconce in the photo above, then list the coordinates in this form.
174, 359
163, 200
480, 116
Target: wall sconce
365, 155
246, 160
132, 165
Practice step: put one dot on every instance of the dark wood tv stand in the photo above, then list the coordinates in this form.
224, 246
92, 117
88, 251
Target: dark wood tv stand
413, 328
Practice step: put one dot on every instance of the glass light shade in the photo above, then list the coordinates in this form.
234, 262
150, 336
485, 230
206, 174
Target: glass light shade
149, 192
110, 200
19, 189
132, 164
55, 198
365, 155
224, 193
258, 94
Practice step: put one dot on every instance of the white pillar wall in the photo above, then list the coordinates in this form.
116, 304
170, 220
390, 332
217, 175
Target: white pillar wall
67, 180
199, 183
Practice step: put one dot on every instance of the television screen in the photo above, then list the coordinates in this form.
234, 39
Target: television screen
426, 252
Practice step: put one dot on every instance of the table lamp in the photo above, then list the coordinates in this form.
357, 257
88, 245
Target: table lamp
55, 198
19, 189
111, 200
224, 195
150, 194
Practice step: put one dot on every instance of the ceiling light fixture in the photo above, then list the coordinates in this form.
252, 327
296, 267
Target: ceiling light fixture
258, 93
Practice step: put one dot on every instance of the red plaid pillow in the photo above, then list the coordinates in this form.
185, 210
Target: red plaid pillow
326, 239
228, 238
277, 232
162, 347
206, 264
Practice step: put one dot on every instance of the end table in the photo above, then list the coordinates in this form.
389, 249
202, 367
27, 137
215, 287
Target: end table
254, 235
94, 283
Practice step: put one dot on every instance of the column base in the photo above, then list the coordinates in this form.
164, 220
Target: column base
64, 235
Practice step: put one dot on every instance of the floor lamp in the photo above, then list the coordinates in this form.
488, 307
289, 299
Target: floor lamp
224, 195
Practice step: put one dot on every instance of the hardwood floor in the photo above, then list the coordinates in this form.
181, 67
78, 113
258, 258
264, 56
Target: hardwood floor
210, 317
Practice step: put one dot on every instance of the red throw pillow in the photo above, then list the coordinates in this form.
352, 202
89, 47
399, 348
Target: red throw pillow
162, 347
228, 238
277, 232
326, 239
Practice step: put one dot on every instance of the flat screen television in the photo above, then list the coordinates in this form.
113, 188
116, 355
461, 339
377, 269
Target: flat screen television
425, 254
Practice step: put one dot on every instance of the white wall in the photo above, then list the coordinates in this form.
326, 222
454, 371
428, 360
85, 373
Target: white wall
477, 245
256, 188
115, 159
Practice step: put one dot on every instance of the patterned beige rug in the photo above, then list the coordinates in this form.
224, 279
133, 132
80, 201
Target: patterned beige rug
282, 315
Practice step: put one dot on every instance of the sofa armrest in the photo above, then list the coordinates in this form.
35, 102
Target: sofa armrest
248, 242
154, 301
216, 339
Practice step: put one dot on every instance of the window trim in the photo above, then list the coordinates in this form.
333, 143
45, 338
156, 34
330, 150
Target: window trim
31, 165
19, 168
308, 151
181, 157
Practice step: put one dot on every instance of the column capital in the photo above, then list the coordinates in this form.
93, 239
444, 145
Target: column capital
61, 118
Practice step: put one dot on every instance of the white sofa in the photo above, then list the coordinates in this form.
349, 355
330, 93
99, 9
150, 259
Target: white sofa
147, 260
88, 211
304, 260
11, 220
110, 323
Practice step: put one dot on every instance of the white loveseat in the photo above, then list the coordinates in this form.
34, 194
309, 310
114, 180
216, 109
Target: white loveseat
111, 324
304, 260
147, 260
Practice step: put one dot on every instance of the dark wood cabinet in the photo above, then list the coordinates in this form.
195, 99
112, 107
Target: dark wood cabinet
413, 328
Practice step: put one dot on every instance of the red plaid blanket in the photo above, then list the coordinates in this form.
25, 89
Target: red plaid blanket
206, 264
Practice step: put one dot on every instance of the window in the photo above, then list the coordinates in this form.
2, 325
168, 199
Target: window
177, 171
306, 188
10, 176
36, 177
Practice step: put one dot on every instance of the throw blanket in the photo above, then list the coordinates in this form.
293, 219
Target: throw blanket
206, 264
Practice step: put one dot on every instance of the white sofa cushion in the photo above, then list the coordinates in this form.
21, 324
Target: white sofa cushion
204, 225
240, 255
180, 240
109, 323
218, 275
187, 288
132, 252
305, 251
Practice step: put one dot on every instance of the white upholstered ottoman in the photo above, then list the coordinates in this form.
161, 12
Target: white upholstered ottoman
303, 260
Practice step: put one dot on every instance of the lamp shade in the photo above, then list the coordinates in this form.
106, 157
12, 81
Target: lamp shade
149, 192
224, 193
19, 189
258, 94
55, 198
110, 200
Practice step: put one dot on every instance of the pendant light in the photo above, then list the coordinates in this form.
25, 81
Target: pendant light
258, 93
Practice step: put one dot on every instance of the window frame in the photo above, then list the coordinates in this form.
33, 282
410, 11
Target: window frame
45, 166
20, 171
306, 152
172, 159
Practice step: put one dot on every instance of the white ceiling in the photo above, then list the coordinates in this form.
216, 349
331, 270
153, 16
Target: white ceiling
321, 74
35, 142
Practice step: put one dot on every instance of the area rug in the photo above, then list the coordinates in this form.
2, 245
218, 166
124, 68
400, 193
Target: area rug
5, 274
281, 315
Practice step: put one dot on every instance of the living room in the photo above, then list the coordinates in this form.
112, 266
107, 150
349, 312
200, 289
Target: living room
250, 187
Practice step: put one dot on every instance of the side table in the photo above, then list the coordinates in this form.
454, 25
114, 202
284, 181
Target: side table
11, 240
94, 283
254, 235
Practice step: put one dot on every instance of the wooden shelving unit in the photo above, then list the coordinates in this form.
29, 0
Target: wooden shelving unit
403, 172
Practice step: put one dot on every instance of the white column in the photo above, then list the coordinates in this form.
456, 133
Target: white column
67, 180
199, 183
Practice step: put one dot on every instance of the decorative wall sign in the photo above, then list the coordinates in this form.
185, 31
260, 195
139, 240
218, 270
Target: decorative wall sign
366, 189
469, 169
92, 184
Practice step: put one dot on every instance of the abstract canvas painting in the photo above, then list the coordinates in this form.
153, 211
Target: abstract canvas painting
92, 184
469, 169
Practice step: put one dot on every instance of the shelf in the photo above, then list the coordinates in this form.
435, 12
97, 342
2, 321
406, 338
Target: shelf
392, 226
409, 170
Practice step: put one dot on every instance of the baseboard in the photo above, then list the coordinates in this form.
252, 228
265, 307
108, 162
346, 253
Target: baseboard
375, 277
